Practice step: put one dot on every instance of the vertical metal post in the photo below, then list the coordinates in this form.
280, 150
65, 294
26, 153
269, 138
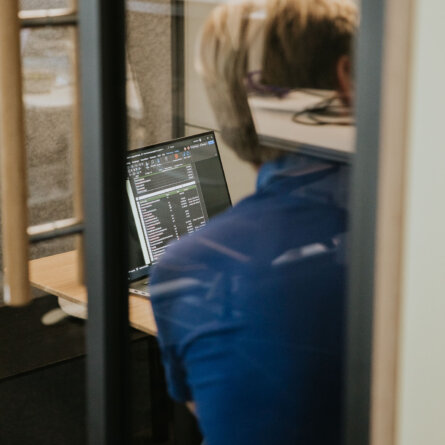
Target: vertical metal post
363, 223
102, 39
177, 61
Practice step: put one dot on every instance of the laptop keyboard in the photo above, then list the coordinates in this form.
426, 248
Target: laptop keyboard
140, 288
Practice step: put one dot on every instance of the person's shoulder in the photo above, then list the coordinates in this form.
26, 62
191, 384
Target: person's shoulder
220, 244
233, 235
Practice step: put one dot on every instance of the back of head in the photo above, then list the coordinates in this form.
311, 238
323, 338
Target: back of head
294, 43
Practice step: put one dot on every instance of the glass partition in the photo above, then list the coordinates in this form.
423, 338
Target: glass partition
239, 227
258, 291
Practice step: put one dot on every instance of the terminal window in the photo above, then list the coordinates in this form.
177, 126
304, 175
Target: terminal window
166, 193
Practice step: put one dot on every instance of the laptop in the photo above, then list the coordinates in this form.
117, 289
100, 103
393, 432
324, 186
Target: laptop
173, 188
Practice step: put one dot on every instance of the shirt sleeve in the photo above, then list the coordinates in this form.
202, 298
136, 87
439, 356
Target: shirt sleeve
172, 291
176, 376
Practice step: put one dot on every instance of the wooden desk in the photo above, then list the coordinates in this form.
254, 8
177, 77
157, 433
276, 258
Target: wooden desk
57, 275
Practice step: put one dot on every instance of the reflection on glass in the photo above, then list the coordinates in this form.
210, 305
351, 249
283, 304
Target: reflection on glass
310, 102
310, 106
249, 304
250, 307
304, 116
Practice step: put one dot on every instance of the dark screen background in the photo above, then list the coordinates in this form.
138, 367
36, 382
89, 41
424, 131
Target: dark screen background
135, 257
213, 186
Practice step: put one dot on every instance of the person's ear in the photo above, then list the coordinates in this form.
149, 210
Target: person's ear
345, 82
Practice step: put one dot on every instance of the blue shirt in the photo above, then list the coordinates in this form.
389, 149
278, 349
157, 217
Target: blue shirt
250, 311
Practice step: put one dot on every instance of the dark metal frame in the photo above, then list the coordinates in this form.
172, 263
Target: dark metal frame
102, 39
364, 211
177, 61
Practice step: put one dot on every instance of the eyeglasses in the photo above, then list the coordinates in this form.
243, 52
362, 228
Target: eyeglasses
329, 111
254, 85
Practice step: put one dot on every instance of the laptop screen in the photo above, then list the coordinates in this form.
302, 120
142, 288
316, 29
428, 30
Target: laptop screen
173, 189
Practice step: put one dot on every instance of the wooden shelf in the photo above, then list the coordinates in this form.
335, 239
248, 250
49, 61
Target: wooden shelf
57, 275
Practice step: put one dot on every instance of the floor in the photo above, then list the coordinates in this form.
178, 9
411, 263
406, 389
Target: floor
42, 379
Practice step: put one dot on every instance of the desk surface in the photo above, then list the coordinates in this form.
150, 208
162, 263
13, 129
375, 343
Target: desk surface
274, 124
57, 275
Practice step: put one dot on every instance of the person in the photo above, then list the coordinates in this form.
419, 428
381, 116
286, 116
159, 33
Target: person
250, 308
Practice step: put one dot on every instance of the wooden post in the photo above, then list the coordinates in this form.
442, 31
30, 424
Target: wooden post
77, 156
394, 118
13, 160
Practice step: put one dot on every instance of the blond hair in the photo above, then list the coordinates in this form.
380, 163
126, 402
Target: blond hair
295, 44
